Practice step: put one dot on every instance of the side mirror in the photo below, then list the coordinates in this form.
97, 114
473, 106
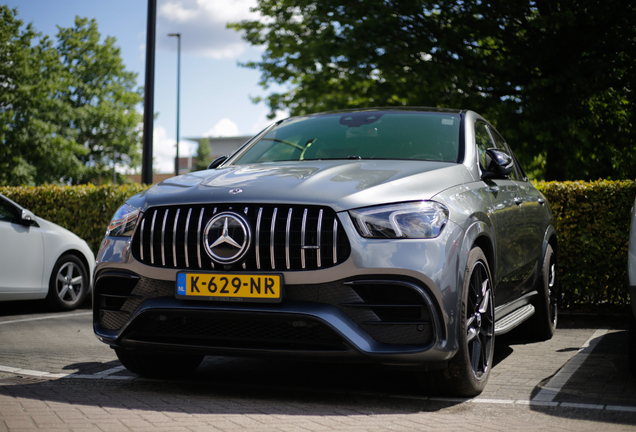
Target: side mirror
218, 161
499, 164
27, 218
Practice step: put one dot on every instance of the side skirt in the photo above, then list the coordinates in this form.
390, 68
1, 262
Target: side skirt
511, 315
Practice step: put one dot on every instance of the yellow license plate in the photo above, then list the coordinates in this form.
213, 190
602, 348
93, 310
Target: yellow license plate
230, 287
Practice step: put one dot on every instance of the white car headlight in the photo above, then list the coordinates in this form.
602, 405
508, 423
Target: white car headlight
413, 220
124, 222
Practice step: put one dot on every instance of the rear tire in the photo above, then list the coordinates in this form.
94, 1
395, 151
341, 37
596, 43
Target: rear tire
468, 371
632, 341
158, 365
542, 325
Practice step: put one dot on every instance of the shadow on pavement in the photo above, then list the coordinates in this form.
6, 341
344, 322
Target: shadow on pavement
603, 380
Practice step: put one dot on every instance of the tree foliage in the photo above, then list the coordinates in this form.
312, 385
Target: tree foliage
204, 155
557, 78
67, 107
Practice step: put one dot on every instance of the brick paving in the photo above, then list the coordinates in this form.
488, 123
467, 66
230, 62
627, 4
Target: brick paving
269, 395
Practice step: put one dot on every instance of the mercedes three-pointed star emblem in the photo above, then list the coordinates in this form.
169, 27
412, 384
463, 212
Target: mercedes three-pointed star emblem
227, 237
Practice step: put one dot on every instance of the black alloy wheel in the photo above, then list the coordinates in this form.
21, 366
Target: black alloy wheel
468, 371
542, 325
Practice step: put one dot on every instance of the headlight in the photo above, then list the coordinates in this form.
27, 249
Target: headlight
416, 220
124, 222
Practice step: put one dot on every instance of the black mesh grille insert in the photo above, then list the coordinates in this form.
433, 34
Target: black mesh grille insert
391, 312
283, 237
228, 330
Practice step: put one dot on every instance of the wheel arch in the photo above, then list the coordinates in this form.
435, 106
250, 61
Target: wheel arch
479, 234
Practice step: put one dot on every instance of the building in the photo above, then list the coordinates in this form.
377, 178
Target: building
219, 146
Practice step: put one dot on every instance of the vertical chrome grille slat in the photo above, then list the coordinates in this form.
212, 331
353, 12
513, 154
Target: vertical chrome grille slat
335, 240
163, 238
257, 246
141, 239
187, 231
152, 238
319, 238
271, 239
302, 239
174, 238
199, 237
287, 235
302, 230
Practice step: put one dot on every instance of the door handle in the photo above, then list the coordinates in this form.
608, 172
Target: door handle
541, 201
518, 200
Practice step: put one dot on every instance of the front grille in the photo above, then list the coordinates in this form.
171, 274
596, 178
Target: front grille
284, 237
229, 330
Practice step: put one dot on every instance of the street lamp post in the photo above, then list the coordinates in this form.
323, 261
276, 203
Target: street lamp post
178, 36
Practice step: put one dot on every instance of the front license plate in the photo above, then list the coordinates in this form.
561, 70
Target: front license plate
229, 287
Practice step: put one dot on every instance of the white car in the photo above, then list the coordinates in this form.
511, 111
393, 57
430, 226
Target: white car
42, 260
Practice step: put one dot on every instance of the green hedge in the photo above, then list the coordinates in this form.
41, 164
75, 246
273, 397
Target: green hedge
85, 210
593, 221
592, 225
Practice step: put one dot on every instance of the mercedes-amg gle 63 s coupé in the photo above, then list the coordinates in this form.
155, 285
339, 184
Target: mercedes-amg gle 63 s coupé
405, 236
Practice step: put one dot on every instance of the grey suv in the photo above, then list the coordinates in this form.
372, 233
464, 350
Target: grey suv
403, 236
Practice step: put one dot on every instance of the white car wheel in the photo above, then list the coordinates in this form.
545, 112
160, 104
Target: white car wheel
68, 284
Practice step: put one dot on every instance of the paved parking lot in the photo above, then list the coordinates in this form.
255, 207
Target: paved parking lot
56, 376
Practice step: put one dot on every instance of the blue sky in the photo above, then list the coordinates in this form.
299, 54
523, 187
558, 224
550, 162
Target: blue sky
215, 91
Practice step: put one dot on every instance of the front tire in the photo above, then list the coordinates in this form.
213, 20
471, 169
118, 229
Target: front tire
468, 371
68, 284
158, 365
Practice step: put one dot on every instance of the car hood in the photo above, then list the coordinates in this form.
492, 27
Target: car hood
341, 184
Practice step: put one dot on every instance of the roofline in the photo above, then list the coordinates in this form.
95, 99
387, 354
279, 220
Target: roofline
391, 108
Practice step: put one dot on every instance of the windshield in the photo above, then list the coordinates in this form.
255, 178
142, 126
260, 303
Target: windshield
360, 135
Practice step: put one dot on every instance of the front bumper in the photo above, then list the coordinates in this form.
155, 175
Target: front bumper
380, 305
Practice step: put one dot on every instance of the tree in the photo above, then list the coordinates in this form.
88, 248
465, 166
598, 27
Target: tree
557, 78
204, 155
101, 98
32, 148
65, 109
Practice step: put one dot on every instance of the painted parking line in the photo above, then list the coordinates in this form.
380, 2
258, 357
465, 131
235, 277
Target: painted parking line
554, 386
107, 374
46, 317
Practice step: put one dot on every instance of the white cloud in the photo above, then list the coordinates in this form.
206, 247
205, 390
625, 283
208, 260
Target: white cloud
202, 24
164, 150
224, 127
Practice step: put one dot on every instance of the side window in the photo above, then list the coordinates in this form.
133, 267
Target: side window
501, 145
8, 213
483, 141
